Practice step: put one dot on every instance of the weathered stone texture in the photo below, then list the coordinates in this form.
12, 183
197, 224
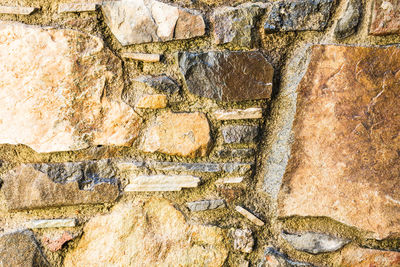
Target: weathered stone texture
363, 257
17, 10
208, 204
162, 83
238, 114
151, 233
52, 223
155, 101
142, 57
345, 157
145, 21
182, 134
385, 17
298, 15
60, 90
59, 184
347, 24
227, 76
77, 7
250, 216
243, 240
233, 153
161, 183
239, 134
20, 249
56, 244
182, 166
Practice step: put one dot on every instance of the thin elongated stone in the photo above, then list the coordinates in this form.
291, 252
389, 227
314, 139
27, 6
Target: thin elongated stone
77, 7
179, 166
237, 167
161, 183
230, 180
238, 114
54, 223
17, 10
142, 56
250, 216
203, 205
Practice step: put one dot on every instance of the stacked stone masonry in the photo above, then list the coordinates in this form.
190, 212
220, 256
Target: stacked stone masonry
199, 133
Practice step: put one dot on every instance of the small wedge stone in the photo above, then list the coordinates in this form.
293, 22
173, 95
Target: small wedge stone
77, 7
142, 57
55, 223
229, 180
238, 114
249, 216
161, 183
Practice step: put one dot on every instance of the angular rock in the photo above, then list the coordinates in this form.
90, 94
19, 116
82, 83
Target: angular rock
145, 21
239, 134
77, 7
54, 223
61, 90
142, 57
236, 153
360, 257
298, 15
162, 83
181, 134
180, 166
203, 205
236, 167
347, 24
161, 183
56, 244
238, 114
315, 243
20, 249
344, 162
156, 101
227, 76
250, 216
274, 258
243, 240
230, 180
385, 17
31, 186
150, 233
236, 25
17, 10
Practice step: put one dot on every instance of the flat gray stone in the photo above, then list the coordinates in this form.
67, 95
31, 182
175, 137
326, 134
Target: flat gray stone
236, 167
178, 166
203, 205
347, 24
162, 83
298, 15
315, 243
239, 134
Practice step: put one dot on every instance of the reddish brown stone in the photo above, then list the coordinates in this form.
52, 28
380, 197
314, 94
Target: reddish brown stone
385, 17
345, 160
56, 244
362, 257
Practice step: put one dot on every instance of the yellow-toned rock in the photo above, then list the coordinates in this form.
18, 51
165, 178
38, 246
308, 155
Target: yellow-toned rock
147, 233
152, 101
60, 90
182, 134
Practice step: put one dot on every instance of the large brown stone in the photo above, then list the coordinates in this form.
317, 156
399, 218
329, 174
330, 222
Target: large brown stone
59, 184
150, 233
363, 257
182, 134
345, 160
385, 17
60, 90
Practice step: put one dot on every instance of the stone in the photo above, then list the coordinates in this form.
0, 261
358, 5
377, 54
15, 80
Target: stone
242, 240
17, 10
238, 114
30, 186
250, 216
156, 101
344, 162
20, 249
161, 183
314, 243
203, 205
77, 7
227, 76
230, 180
53, 223
360, 257
236, 153
147, 233
237, 167
236, 25
162, 83
181, 134
181, 166
239, 134
274, 258
348, 23
61, 90
385, 17
56, 244
298, 15
142, 57
146, 21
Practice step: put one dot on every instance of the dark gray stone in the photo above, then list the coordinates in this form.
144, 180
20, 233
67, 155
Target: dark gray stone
298, 15
236, 167
161, 83
315, 243
273, 257
203, 205
227, 76
239, 134
20, 249
347, 24
178, 166
236, 153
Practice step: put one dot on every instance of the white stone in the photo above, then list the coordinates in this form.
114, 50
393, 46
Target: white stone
17, 10
142, 56
161, 183
230, 180
238, 114
77, 7
249, 216
54, 223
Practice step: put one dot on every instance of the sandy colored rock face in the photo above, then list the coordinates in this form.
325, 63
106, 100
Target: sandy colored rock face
60, 90
385, 17
151, 233
362, 257
183, 134
152, 101
345, 157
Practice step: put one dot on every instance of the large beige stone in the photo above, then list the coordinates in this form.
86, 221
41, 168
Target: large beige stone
345, 157
182, 134
60, 90
150, 233
364, 257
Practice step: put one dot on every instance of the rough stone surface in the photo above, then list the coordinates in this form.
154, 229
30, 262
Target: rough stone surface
236, 153
151, 233
236, 167
182, 134
274, 258
315, 243
56, 244
20, 249
59, 184
298, 15
156, 101
239, 134
250, 216
385, 17
142, 57
344, 162
161, 183
227, 76
363, 257
181, 166
60, 90
347, 24
203, 205
162, 83
230, 180
145, 21
77, 7
238, 114
52, 223
243, 240
17, 10
236, 25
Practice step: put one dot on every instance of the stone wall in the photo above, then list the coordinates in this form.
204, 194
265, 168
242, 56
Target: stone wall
199, 133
